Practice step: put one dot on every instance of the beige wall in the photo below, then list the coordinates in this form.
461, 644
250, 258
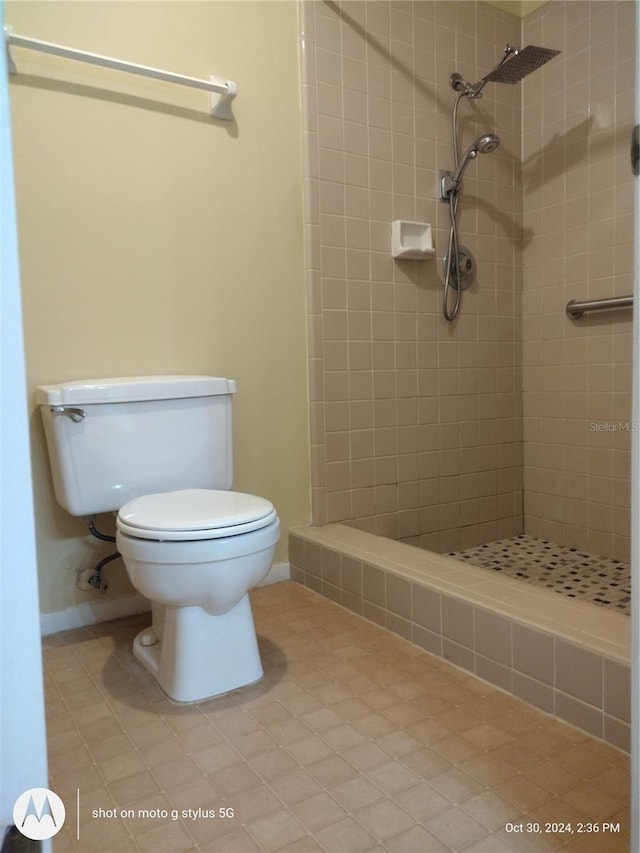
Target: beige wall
578, 215
416, 423
416, 430
517, 7
154, 239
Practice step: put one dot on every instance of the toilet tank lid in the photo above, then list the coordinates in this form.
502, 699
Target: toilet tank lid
132, 388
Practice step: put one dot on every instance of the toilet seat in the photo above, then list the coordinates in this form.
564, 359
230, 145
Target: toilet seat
194, 514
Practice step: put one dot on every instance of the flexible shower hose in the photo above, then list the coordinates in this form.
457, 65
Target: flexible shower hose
452, 251
452, 262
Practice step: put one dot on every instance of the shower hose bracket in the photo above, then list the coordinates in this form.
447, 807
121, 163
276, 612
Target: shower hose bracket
447, 186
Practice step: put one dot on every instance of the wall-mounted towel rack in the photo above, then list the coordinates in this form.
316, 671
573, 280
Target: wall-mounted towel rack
220, 106
576, 309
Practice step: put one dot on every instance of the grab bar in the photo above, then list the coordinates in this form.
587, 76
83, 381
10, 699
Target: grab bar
576, 309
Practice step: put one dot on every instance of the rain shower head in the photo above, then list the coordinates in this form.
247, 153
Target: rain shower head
514, 65
524, 61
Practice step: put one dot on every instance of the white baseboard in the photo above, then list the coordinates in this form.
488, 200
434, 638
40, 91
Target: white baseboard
278, 572
92, 612
106, 609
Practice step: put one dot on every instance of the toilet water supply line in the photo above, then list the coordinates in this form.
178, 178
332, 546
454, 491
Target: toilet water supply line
95, 580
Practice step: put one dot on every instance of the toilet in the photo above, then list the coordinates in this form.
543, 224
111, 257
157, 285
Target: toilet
158, 451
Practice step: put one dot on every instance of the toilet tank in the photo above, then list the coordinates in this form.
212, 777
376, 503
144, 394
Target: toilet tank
111, 440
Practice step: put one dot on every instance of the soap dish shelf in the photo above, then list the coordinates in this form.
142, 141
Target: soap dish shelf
411, 241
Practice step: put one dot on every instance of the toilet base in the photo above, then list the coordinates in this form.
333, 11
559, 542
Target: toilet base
199, 656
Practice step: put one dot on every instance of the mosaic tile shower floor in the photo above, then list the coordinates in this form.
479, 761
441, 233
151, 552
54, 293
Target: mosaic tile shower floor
568, 571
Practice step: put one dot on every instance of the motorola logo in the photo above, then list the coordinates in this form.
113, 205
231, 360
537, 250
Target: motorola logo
39, 813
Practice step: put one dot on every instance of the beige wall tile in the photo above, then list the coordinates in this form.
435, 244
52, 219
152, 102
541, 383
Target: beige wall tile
579, 673
617, 733
534, 692
569, 209
458, 621
493, 636
617, 690
494, 673
533, 653
578, 217
580, 714
398, 595
395, 110
373, 585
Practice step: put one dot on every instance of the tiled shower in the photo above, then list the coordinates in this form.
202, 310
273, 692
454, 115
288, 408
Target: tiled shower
512, 419
578, 235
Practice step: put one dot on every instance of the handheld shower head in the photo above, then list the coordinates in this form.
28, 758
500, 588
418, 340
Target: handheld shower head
487, 143
450, 182
484, 144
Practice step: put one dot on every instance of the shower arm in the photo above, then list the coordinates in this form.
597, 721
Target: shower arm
474, 90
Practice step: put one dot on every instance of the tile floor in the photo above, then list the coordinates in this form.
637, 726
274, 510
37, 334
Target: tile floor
356, 740
577, 574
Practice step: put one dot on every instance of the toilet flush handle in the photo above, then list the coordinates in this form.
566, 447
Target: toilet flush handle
72, 412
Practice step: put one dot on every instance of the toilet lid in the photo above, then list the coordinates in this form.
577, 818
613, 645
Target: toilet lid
193, 510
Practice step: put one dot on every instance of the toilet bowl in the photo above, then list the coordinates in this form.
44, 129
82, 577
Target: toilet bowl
195, 554
158, 451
